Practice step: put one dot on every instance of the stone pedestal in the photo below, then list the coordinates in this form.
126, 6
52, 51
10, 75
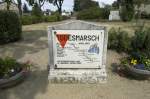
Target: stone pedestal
77, 75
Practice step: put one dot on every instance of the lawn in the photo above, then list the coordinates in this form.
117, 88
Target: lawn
34, 47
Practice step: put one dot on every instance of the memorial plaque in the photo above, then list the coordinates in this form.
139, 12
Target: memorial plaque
77, 50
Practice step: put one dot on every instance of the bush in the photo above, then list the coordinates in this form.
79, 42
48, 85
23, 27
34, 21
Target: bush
105, 12
52, 18
126, 14
26, 20
37, 19
138, 41
8, 66
119, 40
65, 17
55, 17
141, 41
147, 41
36, 10
123, 41
112, 39
91, 13
10, 27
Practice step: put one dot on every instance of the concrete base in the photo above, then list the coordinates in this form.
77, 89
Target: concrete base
77, 75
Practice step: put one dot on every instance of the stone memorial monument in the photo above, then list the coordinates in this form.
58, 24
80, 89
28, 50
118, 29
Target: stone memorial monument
77, 52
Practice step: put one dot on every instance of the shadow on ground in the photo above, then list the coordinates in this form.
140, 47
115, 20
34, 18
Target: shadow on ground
33, 41
36, 83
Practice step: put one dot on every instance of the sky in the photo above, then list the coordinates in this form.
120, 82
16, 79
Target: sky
68, 4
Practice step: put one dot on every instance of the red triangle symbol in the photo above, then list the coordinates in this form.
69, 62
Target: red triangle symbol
62, 38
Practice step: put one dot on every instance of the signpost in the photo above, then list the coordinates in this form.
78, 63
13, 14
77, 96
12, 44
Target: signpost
77, 51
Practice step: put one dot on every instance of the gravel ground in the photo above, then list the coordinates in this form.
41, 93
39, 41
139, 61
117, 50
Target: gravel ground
34, 47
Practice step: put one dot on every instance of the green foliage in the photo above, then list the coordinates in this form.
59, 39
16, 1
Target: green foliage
10, 27
26, 20
138, 41
112, 39
10, 67
127, 9
91, 13
76, 5
7, 66
141, 41
123, 41
52, 18
127, 13
105, 12
119, 40
25, 8
94, 13
80, 5
147, 64
64, 17
137, 60
36, 10
147, 41
36, 19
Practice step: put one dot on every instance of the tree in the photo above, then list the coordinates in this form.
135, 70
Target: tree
80, 5
76, 5
127, 9
40, 3
25, 8
57, 3
133, 3
138, 3
19, 5
116, 4
36, 11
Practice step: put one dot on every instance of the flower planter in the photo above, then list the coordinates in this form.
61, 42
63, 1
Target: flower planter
138, 73
4, 83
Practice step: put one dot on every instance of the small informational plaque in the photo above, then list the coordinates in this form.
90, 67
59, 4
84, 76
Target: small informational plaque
78, 48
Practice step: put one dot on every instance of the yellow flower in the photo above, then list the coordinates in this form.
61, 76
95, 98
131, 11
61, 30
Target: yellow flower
134, 61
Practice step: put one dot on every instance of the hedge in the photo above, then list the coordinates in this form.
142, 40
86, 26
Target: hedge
30, 19
91, 13
10, 27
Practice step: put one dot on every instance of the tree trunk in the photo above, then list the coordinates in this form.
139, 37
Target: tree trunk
20, 10
19, 7
60, 10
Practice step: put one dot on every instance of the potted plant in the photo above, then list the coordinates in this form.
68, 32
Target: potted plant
12, 72
136, 65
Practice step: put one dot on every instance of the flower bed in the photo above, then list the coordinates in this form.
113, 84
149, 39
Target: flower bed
12, 72
136, 65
